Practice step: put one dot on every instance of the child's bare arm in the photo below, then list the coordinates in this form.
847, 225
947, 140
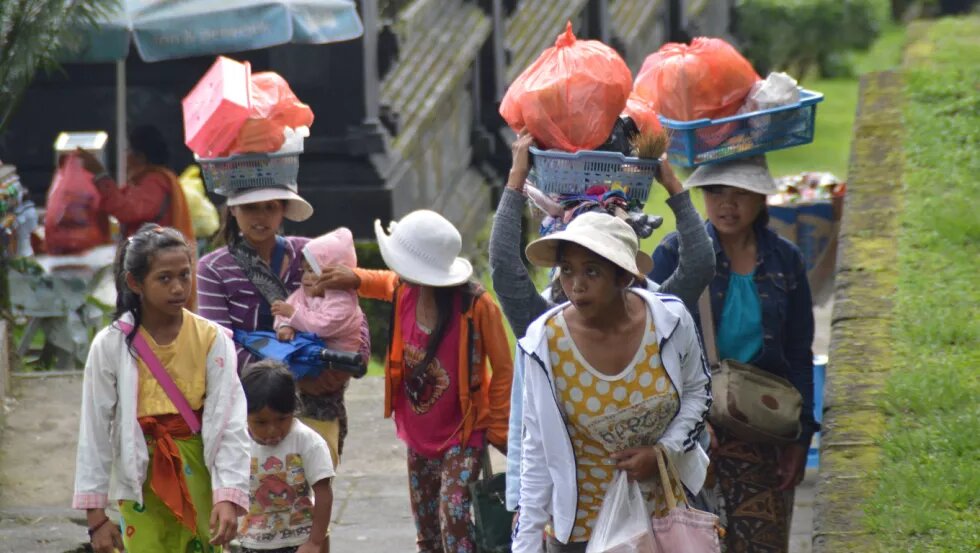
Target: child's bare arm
322, 507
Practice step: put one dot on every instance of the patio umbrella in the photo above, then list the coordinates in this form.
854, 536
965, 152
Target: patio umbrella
173, 29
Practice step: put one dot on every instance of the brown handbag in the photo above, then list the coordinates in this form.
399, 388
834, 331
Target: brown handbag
751, 403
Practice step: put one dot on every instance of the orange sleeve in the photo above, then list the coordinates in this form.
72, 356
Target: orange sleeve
377, 285
497, 349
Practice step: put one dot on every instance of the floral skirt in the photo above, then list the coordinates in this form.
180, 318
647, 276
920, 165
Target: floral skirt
440, 495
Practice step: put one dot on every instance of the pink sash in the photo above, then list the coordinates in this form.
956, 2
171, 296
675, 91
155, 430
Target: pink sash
163, 378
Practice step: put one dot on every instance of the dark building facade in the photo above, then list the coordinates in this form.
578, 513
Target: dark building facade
406, 116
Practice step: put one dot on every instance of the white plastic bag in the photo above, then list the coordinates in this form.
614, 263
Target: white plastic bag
623, 525
778, 89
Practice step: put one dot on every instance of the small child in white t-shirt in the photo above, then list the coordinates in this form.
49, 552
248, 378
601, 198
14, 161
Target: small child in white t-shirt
290, 492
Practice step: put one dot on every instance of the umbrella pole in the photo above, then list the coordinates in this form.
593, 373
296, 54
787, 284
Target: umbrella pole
121, 122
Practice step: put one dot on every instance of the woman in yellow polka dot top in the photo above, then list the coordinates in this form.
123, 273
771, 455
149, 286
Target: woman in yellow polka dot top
610, 375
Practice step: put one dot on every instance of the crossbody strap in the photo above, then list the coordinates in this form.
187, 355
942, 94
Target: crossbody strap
708, 326
145, 352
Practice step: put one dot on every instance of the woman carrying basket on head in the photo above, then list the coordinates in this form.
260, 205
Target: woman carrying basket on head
522, 303
240, 283
762, 314
611, 376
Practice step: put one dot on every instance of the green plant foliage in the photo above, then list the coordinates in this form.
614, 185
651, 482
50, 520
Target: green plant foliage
805, 36
32, 33
378, 313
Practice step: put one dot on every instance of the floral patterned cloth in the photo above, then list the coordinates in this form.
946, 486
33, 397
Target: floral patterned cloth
440, 495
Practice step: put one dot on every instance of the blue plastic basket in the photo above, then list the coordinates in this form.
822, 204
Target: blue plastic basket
694, 143
237, 173
557, 172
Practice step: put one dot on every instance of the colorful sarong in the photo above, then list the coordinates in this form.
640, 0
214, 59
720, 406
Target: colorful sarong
152, 527
758, 514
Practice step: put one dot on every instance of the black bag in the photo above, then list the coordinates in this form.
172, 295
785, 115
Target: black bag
490, 515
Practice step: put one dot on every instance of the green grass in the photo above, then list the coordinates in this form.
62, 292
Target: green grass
927, 498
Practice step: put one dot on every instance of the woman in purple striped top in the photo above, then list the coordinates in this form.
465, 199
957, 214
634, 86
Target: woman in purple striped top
256, 264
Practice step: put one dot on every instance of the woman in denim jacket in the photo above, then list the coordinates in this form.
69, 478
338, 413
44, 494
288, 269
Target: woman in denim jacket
763, 315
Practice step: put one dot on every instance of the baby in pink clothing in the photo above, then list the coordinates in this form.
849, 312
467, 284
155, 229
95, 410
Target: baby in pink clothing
335, 317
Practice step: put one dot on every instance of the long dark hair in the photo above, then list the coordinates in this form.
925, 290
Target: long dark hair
445, 297
149, 141
135, 256
229, 232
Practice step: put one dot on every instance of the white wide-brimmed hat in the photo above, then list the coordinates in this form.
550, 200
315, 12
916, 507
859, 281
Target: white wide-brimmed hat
747, 173
424, 248
297, 209
605, 235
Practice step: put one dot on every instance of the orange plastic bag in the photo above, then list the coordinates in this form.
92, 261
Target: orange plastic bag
274, 107
706, 79
643, 114
570, 97
73, 221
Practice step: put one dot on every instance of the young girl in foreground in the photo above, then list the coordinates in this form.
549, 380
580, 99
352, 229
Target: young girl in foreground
291, 497
180, 482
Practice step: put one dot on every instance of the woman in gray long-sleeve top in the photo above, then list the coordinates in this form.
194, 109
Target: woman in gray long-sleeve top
522, 303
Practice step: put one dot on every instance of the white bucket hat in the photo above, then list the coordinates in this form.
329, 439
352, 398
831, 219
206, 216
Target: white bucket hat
297, 209
605, 235
747, 173
424, 248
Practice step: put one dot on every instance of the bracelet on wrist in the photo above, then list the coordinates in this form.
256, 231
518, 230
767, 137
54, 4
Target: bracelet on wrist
94, 529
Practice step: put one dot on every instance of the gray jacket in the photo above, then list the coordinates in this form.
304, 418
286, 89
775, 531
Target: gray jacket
520, 300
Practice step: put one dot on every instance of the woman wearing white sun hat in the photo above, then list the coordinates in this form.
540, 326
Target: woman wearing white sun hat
610, 375
447, 403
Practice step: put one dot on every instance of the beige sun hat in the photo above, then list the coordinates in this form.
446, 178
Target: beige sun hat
297, 209
748, 173
424, 248
603, 234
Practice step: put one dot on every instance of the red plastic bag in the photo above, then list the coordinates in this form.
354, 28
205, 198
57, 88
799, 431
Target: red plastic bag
570, 97
706, 79
274, 107
73, 221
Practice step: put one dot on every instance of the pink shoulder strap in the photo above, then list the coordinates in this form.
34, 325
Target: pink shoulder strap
163, 378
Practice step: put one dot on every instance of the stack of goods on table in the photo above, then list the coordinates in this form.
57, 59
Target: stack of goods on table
18, 216
716, 106
246, 130
596, 145
807, 211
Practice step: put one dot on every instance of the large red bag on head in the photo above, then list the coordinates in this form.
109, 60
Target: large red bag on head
706, 79
73, 221
274, 106
570, 97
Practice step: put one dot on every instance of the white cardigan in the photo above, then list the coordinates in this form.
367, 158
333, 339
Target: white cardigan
110, 438
548, 483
